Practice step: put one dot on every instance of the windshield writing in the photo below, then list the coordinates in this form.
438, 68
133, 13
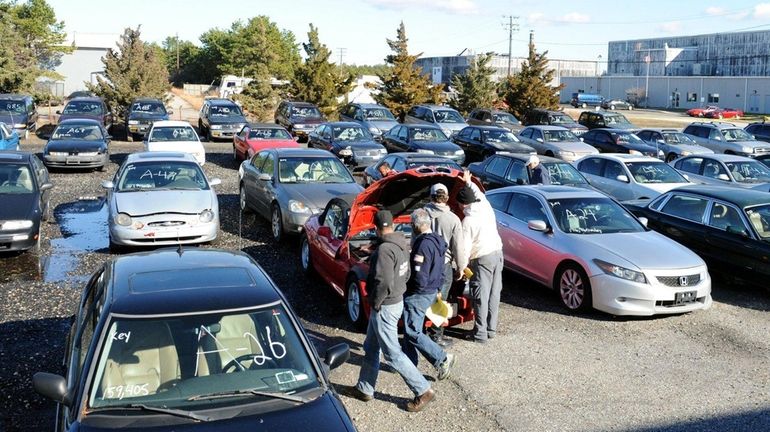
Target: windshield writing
78, 132
162, 175
592, 216
654, 172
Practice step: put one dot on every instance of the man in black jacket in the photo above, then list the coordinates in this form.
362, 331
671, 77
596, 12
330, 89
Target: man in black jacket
386, 283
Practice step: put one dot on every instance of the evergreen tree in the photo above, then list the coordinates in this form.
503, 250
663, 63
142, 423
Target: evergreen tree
318, 80
260, 99
134, 69
404, 85
531, 87
18, 68
475, 88
36, 22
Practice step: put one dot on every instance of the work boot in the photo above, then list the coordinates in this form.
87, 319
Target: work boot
419, 402
445, 368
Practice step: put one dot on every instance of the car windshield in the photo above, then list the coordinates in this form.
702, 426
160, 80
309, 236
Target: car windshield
499, 136
83, 107
448, 116
592, 216
759, 216
564, 174
268, 134
148, 107
559, 136
225, 111
199, 361
172, 133
557, 119
615, 119
305, 112
677, 138
626, 137
654, 172
312, 170
143, 176
350, 133
736, 135
15, 179
426, 134
11, 107
749, 172
375, 114
505, 118
83, 132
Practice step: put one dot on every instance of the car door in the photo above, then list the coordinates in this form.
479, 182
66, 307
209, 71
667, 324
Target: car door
537, 141
334, 218
727, 246
534, 250
251, 170
610, 184
265, 189
714, 172
41, 177
240, 142
592, 168
476, 150
403, 138
494, 172
682, 218
518, 173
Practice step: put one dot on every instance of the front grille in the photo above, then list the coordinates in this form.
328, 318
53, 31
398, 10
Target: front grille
166, 223
374, 152
680, 281
164, 239
446, 153
762, 150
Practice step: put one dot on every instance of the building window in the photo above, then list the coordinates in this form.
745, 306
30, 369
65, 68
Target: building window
713, 98
692, 97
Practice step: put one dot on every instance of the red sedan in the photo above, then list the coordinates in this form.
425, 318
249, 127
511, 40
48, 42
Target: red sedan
702, 111
259, 136
725, 113
338, 242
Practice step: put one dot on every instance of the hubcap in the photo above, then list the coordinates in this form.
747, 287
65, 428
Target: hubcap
276, 223
571, 289
353, 301
305, 254
243, 199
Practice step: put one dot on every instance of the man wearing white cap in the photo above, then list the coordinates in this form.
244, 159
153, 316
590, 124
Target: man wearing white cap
538, 174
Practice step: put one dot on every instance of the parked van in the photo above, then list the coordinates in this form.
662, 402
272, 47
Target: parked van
19, 112
584, 100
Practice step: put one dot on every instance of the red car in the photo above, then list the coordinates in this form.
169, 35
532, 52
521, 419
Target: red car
700, 112
259, 136
724, 113
338, 242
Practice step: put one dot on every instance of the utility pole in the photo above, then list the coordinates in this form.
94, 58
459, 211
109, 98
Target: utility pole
177, 54
511, 28
342, 53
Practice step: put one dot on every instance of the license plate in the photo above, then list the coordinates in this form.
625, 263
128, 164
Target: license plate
681, 298
72, 161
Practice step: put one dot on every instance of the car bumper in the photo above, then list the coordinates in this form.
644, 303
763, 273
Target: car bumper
139, 129
618, 296
140, 233
223, 133
19, 240
295, 222
77, 161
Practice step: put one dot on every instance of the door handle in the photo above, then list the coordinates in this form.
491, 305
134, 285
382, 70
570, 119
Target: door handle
504, 224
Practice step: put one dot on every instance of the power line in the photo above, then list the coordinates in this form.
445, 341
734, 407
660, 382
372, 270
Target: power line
511, 28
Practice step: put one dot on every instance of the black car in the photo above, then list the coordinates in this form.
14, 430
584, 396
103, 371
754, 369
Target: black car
542, 116
604, 119
220, 118
423, 138
728, 227
761, 131
510, 169
349, 141
87, 108
19, 112
191, 339
489, 116
403, 161
78, 143
765, 159
24, 194
480, 142
619, 141
141, 114
299, 118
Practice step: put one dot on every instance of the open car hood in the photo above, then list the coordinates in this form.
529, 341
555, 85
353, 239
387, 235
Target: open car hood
401, 194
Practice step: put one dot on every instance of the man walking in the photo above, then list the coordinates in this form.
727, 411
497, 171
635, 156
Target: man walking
427, 276
484, 253
386, 283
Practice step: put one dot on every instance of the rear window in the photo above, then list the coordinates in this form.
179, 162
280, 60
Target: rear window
165, 280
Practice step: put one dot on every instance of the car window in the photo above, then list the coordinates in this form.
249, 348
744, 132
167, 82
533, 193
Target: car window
563, 173
403, 133
691, 165
498, 166
374, 114
592, 216
715, 134
16, 179
723, 216
591, 166
518, 171
475, 135
224, 110
499, 201
448, 116
612, 170
427, 134
499, 136
258, 160
645, 135
312, 170
335, 220
465, 133
556, 135
161, 175
148, 107
749, 172
304, 112
686, 207
654, 172
84, 107
526, 133
172, 133
713, 169
80, 132
269, 165
269, 133
525, 208
759, 216
399, 165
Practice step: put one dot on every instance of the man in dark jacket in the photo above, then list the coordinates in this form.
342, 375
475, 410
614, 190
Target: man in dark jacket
427, 276
538, 174
386, 283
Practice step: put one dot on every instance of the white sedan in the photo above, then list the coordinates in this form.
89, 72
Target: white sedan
175, 136
628, 177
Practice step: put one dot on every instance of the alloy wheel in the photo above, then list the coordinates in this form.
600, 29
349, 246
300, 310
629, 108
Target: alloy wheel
572, 289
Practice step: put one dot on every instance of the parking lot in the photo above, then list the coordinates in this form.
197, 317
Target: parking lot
546, 370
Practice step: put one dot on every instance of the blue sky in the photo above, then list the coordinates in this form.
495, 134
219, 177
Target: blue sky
576, 29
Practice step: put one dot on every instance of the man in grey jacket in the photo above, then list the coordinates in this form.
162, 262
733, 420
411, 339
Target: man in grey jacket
386, 283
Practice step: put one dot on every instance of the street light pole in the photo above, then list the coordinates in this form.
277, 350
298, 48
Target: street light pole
647, 83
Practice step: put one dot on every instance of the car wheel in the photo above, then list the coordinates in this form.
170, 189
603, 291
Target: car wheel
276, 223
573, 287
612, 107
354, 304
670, 158
549, 153
209, 138
306, 258
242, 199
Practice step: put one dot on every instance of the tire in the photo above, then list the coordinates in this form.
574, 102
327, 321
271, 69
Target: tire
242, 200
115, 248
573, 287
549, 153
306, 259
276, 223
354, 305
671, 157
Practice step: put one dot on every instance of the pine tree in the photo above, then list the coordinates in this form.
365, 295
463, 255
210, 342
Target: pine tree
404, 85
260, 98
318, 80
134, 69
531, 87
475, 88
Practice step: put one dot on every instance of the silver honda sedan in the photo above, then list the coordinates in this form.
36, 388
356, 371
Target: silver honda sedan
595, 253
161, 198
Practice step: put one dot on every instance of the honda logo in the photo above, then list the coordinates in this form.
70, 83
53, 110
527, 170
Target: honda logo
683, 281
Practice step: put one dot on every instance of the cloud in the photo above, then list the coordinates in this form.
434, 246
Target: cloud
762, 11
462, 7
574, 17
670, 27
570, 18
715, 11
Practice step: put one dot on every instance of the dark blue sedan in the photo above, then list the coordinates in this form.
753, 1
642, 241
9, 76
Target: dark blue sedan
78, 143
422, 138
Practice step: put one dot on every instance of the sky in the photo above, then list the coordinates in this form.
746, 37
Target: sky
575, 29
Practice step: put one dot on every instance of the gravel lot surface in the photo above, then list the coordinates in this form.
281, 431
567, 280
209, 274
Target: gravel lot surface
546, 371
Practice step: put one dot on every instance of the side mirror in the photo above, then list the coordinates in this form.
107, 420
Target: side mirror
723, 177
215, 182
737, 230
170, 112
108, 137
265, 177
488, 120
107, 184
686, 177
519, 181
52, 386
643, 220
660, 141
622, 177
539, 140
337, 355
717, 138
46, 186
325, 231
58, 111
537, 225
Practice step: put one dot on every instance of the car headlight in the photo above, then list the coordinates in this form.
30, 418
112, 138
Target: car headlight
89, 153
686, 153
383, 150
748, 149
19, 126
566, 153
374, 130
133, 122
298, 207
347, 151
426, 151
216, 127
15, 224
634, 152
123, 219
55, 153
621, 272
206, 216
459, 152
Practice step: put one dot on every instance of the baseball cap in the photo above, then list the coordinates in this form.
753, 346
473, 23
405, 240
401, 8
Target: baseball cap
466, 196
383, 218
438, 187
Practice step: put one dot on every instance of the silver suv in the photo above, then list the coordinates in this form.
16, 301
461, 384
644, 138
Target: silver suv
726, 138
448, 119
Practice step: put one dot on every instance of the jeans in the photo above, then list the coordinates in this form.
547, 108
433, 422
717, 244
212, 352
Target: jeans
382, 336
449, 278
414, 337
486, 285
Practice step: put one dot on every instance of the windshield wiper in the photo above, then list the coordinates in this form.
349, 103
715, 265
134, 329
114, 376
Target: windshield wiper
169, 411
254, 392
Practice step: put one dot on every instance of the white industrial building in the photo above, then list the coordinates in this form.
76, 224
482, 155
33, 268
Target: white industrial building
83, 64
